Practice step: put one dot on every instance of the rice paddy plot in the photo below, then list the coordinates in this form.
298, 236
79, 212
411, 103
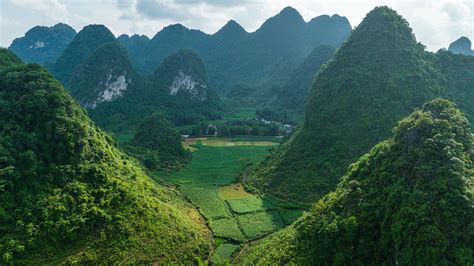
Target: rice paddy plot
207, 200
227, 228
258, 224
250, 204
234, 191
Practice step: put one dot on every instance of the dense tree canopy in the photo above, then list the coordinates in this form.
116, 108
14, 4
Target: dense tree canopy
43, 44
157, 144
378, 76
82, 46
409, 201
178, 89
68, 195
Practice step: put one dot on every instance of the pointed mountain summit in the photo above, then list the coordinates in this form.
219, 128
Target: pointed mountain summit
461, 46
231, 30
377, 76
179, 89
184, 73
103, 77
406, 202
85, 42
135, 45
43, 45
69, 195
234, 56
288, 19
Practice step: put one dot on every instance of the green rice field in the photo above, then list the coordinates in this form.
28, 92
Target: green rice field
234, 215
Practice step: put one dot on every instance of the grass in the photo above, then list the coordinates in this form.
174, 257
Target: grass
193, 143
259, 138
248, 205
258, 224
209, 182
227, 228
207, 199
223, 253
234, 191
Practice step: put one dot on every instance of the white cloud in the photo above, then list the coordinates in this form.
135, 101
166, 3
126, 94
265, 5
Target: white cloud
436, 23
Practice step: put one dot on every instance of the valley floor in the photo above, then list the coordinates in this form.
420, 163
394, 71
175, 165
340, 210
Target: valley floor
234, 215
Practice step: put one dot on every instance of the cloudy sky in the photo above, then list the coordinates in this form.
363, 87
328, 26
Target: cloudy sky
436, 23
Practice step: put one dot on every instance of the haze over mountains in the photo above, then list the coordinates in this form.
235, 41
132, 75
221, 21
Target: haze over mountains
43, 44
232, 56
383, 149
352, 106
461, 46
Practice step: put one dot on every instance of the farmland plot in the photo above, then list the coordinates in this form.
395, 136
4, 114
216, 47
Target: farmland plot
233, 214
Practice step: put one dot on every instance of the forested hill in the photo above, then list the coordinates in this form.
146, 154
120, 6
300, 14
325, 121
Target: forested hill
84, 43
179, 89
406, 202
68, 195
104, 76
43, 44
233, 55
291, 97
378, 76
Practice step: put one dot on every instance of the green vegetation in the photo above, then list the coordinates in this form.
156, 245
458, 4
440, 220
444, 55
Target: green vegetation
68, 195
289, 216
249, 205
290, 99
157, 145
378, 76
258, 224
208, 182
227, 228
223, 253
178, 89
407, 201
104, 70
43, 45
234, 56
83, 45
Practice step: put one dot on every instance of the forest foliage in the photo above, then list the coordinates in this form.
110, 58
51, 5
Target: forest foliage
408, 201
351, 106
69, 195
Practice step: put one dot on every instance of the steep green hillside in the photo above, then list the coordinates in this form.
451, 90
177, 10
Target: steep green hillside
378, 76
104, 76
68, 195
178, 88
7, 58
157, 144
43, 44
291, 97
409, 201
83, 44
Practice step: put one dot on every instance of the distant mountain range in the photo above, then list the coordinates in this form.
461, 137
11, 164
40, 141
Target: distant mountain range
43, 44
263, 61
377, 76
